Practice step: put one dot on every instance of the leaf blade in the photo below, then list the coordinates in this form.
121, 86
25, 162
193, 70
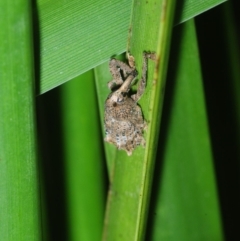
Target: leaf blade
76, 37
20, 217
187, 197
84, 166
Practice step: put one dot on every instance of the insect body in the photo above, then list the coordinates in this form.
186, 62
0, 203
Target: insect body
124, 123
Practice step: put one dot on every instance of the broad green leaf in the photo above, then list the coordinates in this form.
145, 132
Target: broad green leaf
84, 165
76, 36
19, 187
131, 176
185, 201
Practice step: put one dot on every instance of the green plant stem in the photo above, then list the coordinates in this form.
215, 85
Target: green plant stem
129, 193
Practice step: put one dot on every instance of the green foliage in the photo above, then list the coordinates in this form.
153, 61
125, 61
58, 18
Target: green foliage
76, 36
83, 166
186, 193
19, 192
172, 189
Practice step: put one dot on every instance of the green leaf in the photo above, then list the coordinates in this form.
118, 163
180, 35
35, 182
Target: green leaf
185, 205
76, 36
83, 158
19, 190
